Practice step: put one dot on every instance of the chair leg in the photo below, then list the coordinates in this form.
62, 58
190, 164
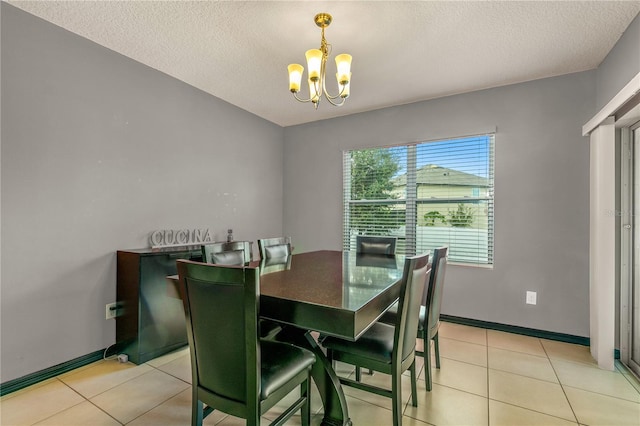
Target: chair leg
330, 358
414, 388
396, 396
423, 336
197, 410
253, 415
305, 414
427, 362
359, 373
436, 347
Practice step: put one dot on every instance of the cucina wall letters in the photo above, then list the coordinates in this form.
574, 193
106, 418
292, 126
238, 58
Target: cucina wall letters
179, 237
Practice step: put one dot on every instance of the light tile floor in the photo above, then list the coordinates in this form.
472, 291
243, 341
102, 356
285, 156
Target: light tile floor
486, 378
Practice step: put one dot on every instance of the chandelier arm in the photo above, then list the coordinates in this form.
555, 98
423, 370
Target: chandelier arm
295, 95
335, 103
339, 95
326, 51
328, 95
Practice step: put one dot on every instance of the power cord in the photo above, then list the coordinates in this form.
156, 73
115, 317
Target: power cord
122, 358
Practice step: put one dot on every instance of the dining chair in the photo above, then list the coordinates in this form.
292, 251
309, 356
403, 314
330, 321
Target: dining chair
386, 348
227, 253
376, 245
237, 253
275, 264
274, 248
429, 320
232, 369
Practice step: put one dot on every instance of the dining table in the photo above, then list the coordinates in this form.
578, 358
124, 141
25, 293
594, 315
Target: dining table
327, 293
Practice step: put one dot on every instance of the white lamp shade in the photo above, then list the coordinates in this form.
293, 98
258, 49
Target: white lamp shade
314, 63
295, 77
343, 65
345, 89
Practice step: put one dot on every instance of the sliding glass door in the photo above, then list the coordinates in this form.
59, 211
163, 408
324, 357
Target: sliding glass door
630, 248
633, 291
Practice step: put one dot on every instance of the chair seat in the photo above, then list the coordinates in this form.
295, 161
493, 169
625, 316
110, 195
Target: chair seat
389, 317
281, 362
376, 343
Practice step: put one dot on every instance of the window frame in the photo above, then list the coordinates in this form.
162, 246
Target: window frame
411, 201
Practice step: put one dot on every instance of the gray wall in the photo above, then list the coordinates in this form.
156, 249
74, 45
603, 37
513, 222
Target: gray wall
620, 66
541, 198
97, 151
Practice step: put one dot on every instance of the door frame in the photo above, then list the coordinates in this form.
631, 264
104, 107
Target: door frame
629, 161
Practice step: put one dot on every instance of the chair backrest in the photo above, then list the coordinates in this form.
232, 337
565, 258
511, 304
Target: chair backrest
221, 308
376, 245
275, 264
434, 290
414, 278
377, 260
274, 248
231, 253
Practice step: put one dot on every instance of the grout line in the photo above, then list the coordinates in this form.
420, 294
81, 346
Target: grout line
112, 387
91, 402
460, 340
603, 395
75, 405
155, 406
533, 411
169, 374
564, 392
65, 409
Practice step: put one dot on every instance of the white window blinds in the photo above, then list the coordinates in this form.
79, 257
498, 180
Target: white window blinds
428, 195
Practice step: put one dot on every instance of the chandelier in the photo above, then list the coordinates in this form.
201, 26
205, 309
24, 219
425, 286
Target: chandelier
316, 64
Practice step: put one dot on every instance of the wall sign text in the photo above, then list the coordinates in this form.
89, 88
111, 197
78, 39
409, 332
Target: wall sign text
179, 237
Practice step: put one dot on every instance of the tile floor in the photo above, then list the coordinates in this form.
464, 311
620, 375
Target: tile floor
486, 378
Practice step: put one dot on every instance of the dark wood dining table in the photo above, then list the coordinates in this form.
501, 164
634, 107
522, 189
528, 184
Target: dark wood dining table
333, 293
330, 293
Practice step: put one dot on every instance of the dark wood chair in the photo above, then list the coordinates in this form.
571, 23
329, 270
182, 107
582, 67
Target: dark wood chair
386, 348
227, 253
429, 320
237, 253
376, 246
232, 369
273, 252
274, 248
270, 265
369, 244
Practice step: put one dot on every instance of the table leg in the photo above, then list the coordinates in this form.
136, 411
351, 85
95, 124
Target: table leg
324, 376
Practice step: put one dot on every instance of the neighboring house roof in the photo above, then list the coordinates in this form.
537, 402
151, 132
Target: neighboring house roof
431, 174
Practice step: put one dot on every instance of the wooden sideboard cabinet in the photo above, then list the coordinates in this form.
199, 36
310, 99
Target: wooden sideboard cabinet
151, 321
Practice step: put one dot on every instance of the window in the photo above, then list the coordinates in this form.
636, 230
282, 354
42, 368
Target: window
427, 194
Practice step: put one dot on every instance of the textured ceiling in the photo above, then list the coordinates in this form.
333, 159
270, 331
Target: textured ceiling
403, 51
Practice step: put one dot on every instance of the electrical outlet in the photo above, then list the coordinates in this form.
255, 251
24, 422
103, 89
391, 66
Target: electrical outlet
532, 297
111, 310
